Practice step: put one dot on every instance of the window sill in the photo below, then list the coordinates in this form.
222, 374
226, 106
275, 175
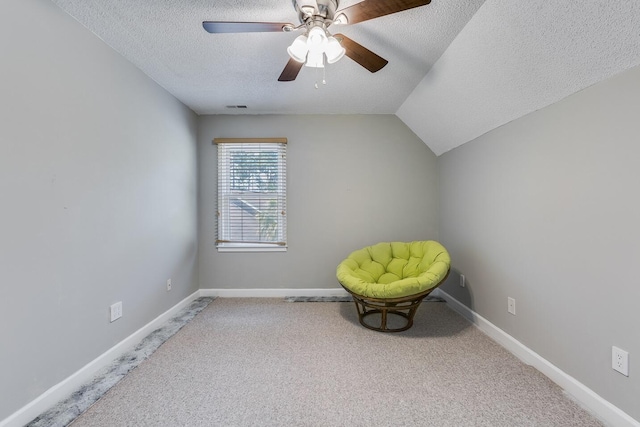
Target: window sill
239, 247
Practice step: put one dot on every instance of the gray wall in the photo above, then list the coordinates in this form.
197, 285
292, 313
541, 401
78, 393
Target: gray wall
546, 210
352, 181
98, 199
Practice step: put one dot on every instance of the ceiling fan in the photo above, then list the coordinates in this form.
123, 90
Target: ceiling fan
316, 43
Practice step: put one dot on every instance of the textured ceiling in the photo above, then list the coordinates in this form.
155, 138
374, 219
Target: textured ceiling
207, 72
457, 69
515, 57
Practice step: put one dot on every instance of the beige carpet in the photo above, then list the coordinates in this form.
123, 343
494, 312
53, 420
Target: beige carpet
266, 362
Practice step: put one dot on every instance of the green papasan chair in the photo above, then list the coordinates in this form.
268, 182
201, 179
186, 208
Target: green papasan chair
392, 278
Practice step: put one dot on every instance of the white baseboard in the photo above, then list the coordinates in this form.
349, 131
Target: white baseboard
65, 388
71, 384
273, 293
601, 408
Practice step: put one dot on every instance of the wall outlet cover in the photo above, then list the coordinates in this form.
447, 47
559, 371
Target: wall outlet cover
620, 360
115, 311
511, 305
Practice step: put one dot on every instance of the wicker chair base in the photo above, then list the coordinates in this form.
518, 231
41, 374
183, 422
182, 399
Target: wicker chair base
404, 307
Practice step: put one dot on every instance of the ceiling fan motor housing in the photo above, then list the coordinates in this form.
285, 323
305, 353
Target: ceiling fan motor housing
312, 10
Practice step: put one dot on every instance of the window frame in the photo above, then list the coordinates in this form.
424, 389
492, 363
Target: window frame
225, 193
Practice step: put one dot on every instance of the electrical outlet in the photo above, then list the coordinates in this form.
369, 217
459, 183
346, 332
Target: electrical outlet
462, 281
116, 311
168, 285
620, 360
511, 305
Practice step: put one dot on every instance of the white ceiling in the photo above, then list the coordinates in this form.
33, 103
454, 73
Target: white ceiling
207, 72
453, 74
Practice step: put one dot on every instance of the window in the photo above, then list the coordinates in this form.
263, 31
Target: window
252, 205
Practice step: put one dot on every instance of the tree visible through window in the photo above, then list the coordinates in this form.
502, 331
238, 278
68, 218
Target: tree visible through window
251, 192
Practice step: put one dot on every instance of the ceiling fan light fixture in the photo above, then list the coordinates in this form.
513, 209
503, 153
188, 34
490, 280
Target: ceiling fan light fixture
298, 49
315, 59
334, 50
315, 17
317, 39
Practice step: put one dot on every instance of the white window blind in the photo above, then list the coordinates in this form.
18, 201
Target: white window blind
252, 188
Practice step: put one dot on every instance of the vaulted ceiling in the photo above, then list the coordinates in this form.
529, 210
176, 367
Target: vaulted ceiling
456, 70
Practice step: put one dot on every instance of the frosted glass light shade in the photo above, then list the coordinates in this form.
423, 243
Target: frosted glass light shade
334, 50
298, 49
317, 40
315, 59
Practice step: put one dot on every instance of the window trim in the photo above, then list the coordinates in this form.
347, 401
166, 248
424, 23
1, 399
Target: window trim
250, 247
226, 246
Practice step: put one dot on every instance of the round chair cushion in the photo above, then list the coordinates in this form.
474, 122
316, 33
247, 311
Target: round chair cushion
394, 269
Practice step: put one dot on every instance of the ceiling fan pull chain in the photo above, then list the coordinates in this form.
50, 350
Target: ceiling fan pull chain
324, 73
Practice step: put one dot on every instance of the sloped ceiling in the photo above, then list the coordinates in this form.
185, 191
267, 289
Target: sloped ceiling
515, 57
457, 69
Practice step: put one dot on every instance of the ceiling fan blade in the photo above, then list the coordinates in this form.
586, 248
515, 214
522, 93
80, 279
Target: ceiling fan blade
290, 71
217, 27
361, 54
370, 9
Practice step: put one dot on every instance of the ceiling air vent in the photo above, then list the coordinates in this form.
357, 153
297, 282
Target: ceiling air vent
236, 106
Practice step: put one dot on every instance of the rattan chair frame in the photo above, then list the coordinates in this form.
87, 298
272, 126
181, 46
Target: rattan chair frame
404, 307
